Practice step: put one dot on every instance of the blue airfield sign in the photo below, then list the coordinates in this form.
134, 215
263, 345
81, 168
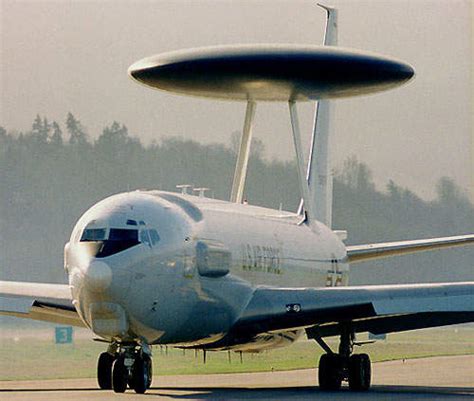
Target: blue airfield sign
63, 335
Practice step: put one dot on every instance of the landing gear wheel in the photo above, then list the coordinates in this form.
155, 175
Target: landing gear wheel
141, 374
330, 372
147, 360
119, 375
104, 371
359, 372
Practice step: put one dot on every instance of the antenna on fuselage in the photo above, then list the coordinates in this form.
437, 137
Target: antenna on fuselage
201, 191
317, 187
184, 188
278, 72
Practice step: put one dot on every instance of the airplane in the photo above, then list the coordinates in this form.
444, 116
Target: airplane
156, 267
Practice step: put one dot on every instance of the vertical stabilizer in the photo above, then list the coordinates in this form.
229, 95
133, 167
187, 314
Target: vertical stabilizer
330, 36
319, 169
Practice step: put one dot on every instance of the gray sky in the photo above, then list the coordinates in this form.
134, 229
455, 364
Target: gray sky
60, 56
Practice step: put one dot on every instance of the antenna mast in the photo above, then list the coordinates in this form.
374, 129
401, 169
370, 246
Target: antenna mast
241, 165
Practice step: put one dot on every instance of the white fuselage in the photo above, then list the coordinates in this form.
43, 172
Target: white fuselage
189, 281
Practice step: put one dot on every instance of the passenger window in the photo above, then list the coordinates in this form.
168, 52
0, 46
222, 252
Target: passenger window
144, 237
155, 238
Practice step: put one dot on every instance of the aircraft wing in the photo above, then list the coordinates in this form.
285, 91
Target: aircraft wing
362, 253
378, 309
38, 301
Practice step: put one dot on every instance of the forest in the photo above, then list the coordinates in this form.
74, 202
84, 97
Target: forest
53, 173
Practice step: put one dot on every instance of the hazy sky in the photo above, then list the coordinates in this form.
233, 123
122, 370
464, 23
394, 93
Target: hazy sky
60, 56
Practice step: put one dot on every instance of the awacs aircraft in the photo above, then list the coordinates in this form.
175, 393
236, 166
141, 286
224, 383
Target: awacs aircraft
154, 267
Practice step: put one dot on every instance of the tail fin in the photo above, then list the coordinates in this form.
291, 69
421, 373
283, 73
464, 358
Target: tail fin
330, 36
318, 172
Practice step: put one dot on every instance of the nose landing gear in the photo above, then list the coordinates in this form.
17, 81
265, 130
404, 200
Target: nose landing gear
125, 365
104, 370
140, 379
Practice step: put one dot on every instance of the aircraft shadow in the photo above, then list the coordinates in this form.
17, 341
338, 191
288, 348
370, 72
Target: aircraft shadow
46, 390
378, 392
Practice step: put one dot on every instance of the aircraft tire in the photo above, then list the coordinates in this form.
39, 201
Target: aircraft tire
359, 372
149, 364
119, 375
329, 373
141, 374
104, 371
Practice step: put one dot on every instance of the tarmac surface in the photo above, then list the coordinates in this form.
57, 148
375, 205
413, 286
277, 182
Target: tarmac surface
440, 378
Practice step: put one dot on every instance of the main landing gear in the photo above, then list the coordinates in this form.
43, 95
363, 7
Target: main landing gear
125, 365
344, 366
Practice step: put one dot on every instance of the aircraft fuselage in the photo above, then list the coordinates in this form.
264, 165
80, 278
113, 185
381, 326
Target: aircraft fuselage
165, 268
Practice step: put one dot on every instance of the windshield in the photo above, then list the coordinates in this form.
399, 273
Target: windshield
117, 240
93, 234
111, 241
122, 234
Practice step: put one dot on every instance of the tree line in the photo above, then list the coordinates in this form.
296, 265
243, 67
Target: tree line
54, 172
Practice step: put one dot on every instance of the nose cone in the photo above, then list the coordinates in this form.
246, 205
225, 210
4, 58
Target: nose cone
97, 275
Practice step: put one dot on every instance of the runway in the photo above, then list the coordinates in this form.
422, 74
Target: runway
441, 378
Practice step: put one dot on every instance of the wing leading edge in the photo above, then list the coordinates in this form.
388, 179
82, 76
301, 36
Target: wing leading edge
362, 253
378, 309
38, 301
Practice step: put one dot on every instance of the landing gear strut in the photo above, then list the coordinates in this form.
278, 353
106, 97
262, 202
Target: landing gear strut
343, 366
125, 365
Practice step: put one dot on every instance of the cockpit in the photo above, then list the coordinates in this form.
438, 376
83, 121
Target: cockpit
109, 241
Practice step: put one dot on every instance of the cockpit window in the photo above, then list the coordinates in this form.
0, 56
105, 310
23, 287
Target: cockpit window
144, 237
155, 238
93, 234
118, 240
121, 234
